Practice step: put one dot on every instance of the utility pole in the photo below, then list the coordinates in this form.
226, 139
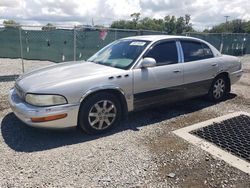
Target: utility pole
226, 18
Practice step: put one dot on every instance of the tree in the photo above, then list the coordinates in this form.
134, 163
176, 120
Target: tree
188, 26
180, 25
169, 24
221, 28
11, 24
234, 26
135, 18
247, 27
238, 26
48, 27
151, 24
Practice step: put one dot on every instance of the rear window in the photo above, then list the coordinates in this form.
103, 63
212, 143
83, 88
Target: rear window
194, 51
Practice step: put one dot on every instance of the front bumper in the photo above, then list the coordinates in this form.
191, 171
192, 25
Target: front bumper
25, 112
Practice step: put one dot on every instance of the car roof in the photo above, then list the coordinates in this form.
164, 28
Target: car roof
159, 37
155, 38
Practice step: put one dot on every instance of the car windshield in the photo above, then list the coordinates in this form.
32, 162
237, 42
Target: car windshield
120, 53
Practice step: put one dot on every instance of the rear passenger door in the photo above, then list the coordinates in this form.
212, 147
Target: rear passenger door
199, 66
160, 83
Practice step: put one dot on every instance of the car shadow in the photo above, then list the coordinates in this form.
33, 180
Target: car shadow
22, 138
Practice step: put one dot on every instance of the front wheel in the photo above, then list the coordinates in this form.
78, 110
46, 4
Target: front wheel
99, 113
218, 89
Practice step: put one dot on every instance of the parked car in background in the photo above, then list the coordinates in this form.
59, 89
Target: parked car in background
128, 74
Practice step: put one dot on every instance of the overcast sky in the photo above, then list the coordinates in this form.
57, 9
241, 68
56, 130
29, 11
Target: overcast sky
204, 13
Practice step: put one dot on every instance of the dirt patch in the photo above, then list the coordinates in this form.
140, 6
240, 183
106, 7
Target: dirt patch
246, 70
192, 166
244, 83
240, 100
166, 146
195, 117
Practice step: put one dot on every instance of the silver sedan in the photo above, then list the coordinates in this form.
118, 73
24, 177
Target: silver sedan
128, 74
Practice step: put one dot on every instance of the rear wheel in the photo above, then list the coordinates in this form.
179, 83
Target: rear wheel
219, 89
99, 113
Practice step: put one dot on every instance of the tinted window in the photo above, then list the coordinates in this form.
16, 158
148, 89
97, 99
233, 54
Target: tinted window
194, 51
207, 51
164, 53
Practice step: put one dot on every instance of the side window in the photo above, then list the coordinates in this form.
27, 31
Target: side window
207, 51
194, 51
164, 53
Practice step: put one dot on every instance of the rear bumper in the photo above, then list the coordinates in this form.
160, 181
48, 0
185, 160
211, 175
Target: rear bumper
235, 76
26, 111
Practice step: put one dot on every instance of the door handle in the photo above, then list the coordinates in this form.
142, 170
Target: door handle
176, 71
214, 65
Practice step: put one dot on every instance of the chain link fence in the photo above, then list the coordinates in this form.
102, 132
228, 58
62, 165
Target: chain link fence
79, 43
60, 44
227, 43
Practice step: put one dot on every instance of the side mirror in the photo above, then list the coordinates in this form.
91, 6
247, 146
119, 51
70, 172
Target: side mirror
148, 62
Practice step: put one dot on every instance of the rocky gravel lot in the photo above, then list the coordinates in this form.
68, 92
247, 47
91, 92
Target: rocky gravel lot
142, 152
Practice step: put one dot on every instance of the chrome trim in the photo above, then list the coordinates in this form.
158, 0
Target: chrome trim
180, 52
128, 97
95, 89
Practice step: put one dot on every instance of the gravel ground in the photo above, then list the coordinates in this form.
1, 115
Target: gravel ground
142, 152
14, 66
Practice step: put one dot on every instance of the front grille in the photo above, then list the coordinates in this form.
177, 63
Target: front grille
232, 135
19, 92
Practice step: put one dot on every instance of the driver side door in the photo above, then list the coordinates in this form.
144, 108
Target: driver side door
161, 83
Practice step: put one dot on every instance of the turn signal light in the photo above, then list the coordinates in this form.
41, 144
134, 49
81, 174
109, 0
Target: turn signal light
48, 118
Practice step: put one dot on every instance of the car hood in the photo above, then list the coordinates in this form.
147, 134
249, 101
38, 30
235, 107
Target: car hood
62, 72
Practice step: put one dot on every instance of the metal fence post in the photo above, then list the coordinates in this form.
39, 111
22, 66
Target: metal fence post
21, 47
115, 34
244, 45
74, 44
221, 43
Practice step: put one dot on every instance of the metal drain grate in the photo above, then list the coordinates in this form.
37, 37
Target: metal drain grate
232, 134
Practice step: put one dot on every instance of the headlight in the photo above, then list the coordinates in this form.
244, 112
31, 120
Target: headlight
45, 100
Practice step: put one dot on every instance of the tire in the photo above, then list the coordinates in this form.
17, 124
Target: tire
219, 89
99, 113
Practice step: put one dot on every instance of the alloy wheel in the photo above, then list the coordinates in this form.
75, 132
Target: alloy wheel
219, 88
102, 114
